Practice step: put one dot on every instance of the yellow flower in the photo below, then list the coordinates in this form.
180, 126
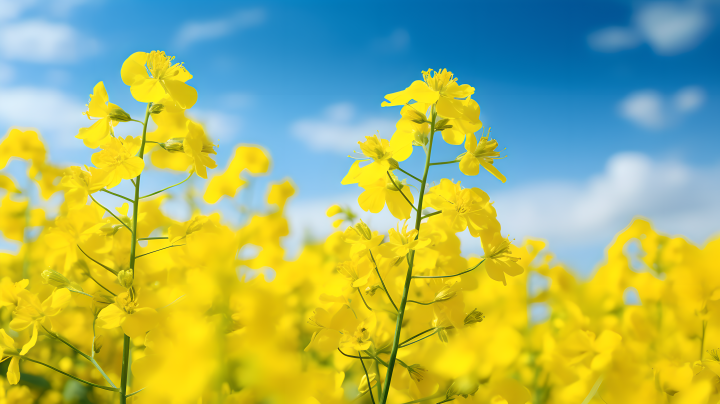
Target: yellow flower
361, 237
402, 241
164, 78
499, 259
79, 184
390, 192
359, 340
31, 312
197, 146
383, 156
7, 344
135, 321
9, 291
118, 158
463, 208
478, 154
100, 108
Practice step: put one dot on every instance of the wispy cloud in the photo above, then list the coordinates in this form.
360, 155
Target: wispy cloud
675, 196
41, 41
219, 126
10, 9
669, 29
338, 130
651, 110
57, 115
397, 41
193, 32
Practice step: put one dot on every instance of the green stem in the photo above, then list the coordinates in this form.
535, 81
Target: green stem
424, 399
449, 276
401, 192
126, 340
81, 353
432, 214
427, 336
411, 176
422, 303
159, 249
363, 299
381, 280
367, 377
118, 195
378, 384
152, 238
444, 162
133, 393
411, 258
110, 212
112, 271
66, 374
164, 189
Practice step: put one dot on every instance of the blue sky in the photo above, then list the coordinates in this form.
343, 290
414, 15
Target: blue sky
606, 110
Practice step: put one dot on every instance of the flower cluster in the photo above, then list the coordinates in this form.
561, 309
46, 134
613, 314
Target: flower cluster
115, 296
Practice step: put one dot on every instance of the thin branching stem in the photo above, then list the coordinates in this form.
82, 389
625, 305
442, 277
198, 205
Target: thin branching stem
23, 357
449, 276
444, 162
159, 249
411, 176
377, 270
165, 189
111, 213
431, 214
367, 377
418, 340
152, 238
363, 299
118, 195
401, 192
112, 271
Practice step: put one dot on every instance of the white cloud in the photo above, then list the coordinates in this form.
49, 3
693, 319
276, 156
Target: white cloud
337, 130
669, 29
651, 110
198, 31
7, 73
219, 126
644, 108
672, 28
11, 9
673, 195
397, 41
43, 42
236, 100
689, 99
58, 116
614, 39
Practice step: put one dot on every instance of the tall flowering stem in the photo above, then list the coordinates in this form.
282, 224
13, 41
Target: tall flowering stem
134, 241
410, 259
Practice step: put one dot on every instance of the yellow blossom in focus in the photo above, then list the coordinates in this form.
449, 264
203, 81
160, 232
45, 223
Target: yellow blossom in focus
478, 154
98, 107
499, 258
118, 159
388, 191
134, 320
153, 76
462, 208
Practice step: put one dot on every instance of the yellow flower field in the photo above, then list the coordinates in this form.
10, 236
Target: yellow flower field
111, 300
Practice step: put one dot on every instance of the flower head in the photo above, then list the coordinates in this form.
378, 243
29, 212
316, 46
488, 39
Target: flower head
100, 108
153, 76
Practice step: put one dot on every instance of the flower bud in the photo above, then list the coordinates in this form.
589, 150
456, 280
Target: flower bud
126, 277
363, 230
417, 372
55, 278
157, 108
365, 385
417, 116
173, 145
442, 124
464, 386
443, 295
394, 165
475, 316
98, 343
119, 115
196, 224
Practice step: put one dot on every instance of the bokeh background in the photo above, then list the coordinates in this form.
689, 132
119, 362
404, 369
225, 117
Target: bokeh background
606, 109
